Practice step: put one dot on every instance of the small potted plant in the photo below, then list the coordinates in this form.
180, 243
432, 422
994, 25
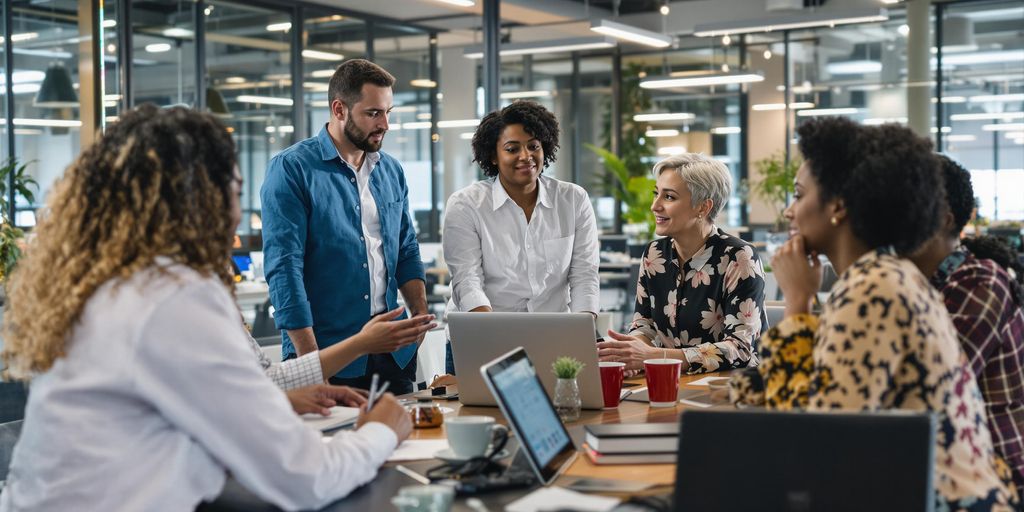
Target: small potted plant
567, 400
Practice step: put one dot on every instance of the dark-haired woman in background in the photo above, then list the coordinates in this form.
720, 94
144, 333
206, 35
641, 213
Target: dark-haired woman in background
520, 240
884, 341
985, 305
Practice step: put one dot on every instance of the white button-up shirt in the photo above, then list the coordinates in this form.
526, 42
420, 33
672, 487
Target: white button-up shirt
498, 259
371, 234
158, 398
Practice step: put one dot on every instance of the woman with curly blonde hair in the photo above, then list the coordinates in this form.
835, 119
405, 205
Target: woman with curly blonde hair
144, 391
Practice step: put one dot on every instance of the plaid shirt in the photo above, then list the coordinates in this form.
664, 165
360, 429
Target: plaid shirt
991, 329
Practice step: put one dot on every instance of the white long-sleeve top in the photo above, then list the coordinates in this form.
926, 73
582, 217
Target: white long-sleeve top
498, 259
158, 398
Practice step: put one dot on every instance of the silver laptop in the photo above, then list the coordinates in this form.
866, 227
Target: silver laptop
479, 338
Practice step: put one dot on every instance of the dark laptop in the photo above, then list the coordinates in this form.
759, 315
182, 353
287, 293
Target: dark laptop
781, 461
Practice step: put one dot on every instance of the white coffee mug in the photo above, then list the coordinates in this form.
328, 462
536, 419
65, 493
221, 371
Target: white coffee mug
470, 436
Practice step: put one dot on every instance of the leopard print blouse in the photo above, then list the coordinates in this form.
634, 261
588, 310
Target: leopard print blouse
885, 341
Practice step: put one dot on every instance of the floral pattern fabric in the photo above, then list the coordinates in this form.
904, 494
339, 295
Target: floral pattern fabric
711, 306
884, 341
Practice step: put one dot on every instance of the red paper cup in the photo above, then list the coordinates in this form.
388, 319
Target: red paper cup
611, 382
663, 381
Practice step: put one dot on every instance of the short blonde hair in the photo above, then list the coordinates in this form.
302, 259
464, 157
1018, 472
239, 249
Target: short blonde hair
706, 178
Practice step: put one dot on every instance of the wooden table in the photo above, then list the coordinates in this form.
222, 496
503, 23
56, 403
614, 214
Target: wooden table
376, 495
627, 412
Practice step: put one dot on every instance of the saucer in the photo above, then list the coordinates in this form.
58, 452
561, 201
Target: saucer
448, 455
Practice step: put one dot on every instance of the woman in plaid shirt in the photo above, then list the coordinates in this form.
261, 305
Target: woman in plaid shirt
985, 305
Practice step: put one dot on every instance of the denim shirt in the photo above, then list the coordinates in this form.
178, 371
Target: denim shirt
314, 254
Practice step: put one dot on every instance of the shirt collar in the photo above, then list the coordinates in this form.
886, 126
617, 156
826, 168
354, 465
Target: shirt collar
948, 266
328, 151
499, 196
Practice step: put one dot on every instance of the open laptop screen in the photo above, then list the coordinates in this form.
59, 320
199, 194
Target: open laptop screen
514, 382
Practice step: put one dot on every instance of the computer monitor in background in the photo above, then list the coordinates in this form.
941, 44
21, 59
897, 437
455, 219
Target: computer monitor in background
805, 461
613, 243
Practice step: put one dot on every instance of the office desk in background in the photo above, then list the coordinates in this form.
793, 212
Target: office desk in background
376, 496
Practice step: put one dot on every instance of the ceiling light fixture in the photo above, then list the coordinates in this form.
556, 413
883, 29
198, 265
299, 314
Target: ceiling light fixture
459, 3
631, 34
178, 32
661, 133
317, 54
995, 98
549, 46
950, 99
781, 106
961, 138
1005, 116
1003, 127
827, 112
158, 47
24, 36
854, 67
672, 150
512, 95
109, 23
968, 59
467, 135
420, 125
702, 79
423, 82
458, 123
666, 116
53, 123
726, 130
264, 100
795, 21
279, 27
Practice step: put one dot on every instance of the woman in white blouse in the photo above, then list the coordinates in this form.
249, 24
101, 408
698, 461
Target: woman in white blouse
520, 241
144, 390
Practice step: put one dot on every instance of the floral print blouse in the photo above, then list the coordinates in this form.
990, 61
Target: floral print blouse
884, 341
711, 306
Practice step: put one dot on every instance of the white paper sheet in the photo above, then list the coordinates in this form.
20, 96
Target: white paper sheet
706, 380
418, 449
340, 417
556, 498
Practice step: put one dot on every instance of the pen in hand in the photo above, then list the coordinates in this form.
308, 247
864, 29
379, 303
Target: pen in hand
373, 398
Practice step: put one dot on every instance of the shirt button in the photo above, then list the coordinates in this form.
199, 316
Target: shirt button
364, 265
366, 297
353, 180
361, 239
357, 207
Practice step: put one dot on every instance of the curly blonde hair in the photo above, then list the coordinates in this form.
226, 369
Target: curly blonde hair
158, 183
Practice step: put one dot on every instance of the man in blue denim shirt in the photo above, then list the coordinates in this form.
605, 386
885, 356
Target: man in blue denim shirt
338, 240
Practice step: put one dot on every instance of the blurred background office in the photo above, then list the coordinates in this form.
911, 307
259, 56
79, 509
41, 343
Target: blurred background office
630, 81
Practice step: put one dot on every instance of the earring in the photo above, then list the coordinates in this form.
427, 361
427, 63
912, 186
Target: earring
834, 221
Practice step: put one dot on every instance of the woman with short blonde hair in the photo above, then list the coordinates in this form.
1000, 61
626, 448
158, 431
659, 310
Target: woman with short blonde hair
700, 294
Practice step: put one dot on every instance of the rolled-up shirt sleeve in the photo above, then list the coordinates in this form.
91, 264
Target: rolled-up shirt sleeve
584, 283
193, 366
285, 210
464, 256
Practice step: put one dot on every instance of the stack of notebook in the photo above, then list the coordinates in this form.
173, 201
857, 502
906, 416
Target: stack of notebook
632, 443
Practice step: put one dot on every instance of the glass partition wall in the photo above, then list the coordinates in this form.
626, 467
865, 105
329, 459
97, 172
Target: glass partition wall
263, 67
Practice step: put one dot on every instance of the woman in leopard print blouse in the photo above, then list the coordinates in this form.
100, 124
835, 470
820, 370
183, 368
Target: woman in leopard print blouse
884, 340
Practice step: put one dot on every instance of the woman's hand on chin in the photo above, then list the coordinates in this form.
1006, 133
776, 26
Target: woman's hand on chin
623, 348
798, 274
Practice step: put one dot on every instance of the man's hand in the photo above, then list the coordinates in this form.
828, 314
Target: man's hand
319, 398
388, 411
383, 334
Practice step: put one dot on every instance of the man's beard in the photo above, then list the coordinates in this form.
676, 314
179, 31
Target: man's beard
361, 139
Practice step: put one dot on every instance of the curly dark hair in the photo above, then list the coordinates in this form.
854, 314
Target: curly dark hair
886, 176
536, 120
959, 192
997, 249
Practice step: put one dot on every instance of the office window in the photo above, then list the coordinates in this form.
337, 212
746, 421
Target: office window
248, 55
163, 50
983, 101
46, 42
327, 35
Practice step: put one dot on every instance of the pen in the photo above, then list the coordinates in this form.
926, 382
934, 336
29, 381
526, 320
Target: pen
373, 391
412, 474
380, 393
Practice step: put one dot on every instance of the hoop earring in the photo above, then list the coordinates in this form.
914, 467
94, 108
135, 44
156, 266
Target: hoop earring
834, 221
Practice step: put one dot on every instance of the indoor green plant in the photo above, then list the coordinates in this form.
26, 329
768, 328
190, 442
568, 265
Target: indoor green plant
567, 400
633, 191
11, 235
776, 184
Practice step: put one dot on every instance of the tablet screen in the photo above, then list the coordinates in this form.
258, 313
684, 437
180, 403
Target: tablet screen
528, 408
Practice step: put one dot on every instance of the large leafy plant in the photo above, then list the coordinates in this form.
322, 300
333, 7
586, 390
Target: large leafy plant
776, 183
10, 235
635, 192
